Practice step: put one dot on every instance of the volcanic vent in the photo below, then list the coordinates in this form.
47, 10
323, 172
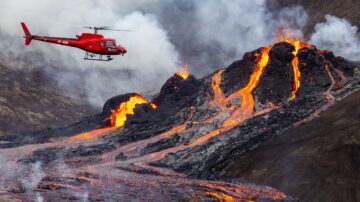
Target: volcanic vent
192, 130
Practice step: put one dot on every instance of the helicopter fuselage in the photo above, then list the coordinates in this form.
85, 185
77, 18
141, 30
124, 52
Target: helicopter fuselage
90, 42
93, 43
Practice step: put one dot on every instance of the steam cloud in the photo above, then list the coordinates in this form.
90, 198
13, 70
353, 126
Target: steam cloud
206, 34
29, 176
337, 35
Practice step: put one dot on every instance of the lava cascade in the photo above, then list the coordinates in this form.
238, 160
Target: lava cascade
117, 119
119, 116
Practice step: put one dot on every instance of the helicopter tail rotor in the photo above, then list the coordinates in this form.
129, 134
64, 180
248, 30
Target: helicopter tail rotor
28, 37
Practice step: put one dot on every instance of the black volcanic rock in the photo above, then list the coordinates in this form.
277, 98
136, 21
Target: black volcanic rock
277, 81
237, 75
176, 94
176, 89
282, 52
341, 63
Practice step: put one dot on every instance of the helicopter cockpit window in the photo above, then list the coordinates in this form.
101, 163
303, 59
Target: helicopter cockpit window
102, 44
109, 44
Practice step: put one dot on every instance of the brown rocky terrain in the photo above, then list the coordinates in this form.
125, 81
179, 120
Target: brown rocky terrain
30, 100
317, 9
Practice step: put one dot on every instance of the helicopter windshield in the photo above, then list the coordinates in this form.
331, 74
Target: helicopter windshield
110, 44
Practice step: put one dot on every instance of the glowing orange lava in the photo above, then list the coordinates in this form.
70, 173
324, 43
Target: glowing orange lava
184, 72
295, 63
117, 119
221, 197
119, 116
154, 106
219, 98
247, 102
94, 134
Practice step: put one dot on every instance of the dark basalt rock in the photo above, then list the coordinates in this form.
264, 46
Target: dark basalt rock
176, 89
314, 75
237, 75
175, 95
340, 63
277, 81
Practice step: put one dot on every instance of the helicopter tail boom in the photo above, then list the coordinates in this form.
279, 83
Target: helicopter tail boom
28, 37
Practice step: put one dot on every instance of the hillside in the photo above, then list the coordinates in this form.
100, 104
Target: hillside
319, 161
317, 9
29, 101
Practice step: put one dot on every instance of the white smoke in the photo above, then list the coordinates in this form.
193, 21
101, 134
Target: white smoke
338, 35
290, 22
211, 34
39, 198
235, 24
151, 58
29, 176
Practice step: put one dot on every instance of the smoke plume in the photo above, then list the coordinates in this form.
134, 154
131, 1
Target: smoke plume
338, 35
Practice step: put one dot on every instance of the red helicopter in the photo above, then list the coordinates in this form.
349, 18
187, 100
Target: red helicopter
95, 45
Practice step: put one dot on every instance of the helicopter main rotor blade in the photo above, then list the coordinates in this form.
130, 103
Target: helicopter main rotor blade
118, 30
107, 29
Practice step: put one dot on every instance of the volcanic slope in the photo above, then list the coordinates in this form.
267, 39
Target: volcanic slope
30, 101
173, 147
319, 161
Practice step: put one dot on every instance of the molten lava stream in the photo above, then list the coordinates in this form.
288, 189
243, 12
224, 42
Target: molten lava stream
219, 98
247, 103
220, 196
117, 119
295, 63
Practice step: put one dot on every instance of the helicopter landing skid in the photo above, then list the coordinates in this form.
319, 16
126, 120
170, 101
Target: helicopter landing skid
97, 57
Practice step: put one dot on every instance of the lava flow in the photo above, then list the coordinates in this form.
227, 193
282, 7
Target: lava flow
117, 119
119, 115
295, 62
247, 100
